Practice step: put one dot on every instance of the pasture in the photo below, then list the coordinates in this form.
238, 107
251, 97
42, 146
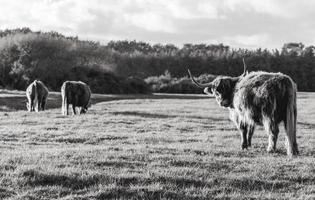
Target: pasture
147, 147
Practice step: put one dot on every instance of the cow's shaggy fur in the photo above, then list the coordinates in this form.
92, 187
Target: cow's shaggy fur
76, 93
36, 94
259, 98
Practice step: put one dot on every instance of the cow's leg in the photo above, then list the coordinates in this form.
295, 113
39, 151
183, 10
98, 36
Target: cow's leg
73, 108
67, 109
290, 129
28, 106
74, 104
272, 130
32, 106
43, 103
243, 130
274, 137
242, 127
292, 147
39, 103
250, 133
83, 110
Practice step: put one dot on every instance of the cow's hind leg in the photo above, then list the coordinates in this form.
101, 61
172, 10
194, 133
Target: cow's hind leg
74, 104
290, 129
32, 106
43, 105
73, 108
292, 147
243, 130
83, 110
67, 109
250, 133
39, 105
272, 130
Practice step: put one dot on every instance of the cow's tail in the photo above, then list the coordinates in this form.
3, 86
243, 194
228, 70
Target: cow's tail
36, 104
290, 123
64, 95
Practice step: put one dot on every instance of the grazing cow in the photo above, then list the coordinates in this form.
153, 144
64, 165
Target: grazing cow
258, 98
36, 94
76, 93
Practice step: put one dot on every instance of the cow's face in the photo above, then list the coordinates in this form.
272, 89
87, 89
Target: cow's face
83, 110
222, 89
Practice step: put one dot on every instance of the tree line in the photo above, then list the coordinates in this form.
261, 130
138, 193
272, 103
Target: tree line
135, 66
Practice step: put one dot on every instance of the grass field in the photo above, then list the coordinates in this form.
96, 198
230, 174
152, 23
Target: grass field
147, 147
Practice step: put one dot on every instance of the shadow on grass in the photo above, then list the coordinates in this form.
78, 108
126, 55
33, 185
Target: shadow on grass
144, 193
307, 125
16, 99
302, 180
247, 184
212, 166
143, 114
171, 184
6, 193
14, 103
76, 140
37, 178
120, 164
164, 116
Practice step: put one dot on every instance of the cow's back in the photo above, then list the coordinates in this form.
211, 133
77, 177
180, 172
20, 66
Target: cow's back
262, 93
85, 95
42, 90
30, 91
76, 91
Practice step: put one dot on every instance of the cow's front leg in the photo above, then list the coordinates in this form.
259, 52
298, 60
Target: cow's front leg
243, 130
73, 109
38, 106
250, 133
74, 104
272, 130
43, 106
33, 106
67, 108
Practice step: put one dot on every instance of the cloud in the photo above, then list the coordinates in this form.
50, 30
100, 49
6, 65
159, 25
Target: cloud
187, 9
248, 41
267, 6
59, 15
150, 21
239, 23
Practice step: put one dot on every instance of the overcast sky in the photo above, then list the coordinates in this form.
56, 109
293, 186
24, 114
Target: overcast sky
238, 23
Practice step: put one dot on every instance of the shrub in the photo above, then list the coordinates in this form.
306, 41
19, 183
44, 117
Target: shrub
165, 83
108, 83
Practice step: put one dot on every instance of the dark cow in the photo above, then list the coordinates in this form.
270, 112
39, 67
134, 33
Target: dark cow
36, 94
258, 98
76, 93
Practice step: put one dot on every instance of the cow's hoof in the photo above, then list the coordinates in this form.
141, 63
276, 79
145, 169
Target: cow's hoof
292, 153
244, 146
271, 150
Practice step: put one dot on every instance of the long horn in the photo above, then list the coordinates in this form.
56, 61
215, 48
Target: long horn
201, 85
245, 68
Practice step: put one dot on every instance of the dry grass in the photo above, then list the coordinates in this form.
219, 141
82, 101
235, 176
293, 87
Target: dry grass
147, 147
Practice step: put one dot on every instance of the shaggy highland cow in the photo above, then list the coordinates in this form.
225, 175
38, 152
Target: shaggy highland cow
36, 94
76, 93
258, 98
